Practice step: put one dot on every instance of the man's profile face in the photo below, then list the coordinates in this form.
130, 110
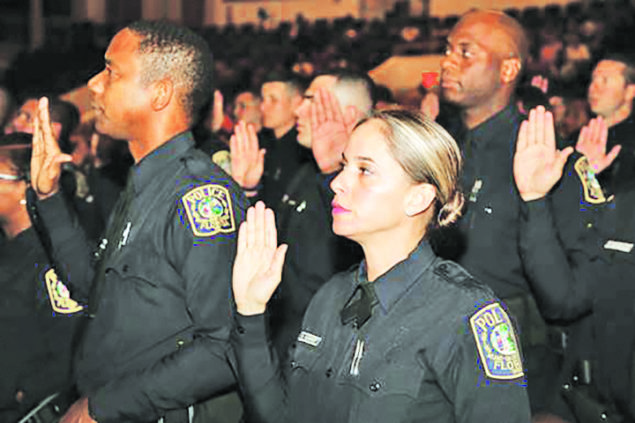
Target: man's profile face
608, 89
247, 108
470, 70
278, 104
121, 101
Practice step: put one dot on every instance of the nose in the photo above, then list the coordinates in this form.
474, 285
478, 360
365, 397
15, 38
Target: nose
338, 183
448, 60
302, 108
94, 84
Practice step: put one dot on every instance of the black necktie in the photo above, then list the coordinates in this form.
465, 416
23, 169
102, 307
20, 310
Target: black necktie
359, 307
108, 245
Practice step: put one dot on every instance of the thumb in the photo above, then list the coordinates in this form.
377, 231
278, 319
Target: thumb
278, 260
562, 158
63, 158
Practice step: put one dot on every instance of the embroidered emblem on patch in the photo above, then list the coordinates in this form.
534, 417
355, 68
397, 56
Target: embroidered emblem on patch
309, 338
209, 210
592, 190
223, 159
497, 343
59, 295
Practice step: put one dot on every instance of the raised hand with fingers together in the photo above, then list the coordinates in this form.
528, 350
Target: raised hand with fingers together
247, 158
47, 157
538, 163
259, 260
592, 143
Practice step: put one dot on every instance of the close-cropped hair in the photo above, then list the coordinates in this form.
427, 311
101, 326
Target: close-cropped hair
428, 154
628, 61
296, 84
169, 50
354, 89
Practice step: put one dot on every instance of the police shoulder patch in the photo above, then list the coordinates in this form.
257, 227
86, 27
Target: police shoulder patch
60, 297
592, 190
209, 210
497, 343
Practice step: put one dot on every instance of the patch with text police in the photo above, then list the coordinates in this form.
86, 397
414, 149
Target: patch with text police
209, 210
592, 190
497, 343
60, 297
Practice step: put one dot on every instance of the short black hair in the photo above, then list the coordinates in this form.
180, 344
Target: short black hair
625, 58
293, 81
170, 49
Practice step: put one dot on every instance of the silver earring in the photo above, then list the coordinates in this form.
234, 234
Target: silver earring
23, 202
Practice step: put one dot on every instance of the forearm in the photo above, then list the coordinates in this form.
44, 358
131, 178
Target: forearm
259, 376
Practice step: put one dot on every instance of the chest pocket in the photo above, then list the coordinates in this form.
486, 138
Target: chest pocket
304, 355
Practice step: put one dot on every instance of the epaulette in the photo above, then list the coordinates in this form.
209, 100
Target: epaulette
455, 274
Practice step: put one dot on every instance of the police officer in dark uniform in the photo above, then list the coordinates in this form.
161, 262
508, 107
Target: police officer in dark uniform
406, 336
38, 318
158, 295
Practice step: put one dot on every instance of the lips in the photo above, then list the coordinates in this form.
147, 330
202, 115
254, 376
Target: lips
337, 208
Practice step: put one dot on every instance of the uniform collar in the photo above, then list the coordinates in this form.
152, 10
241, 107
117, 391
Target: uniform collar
157, 160
396, 282
498, 123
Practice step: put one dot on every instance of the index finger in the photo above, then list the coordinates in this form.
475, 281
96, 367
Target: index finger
50, 143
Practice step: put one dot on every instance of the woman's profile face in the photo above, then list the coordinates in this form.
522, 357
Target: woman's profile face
371, 190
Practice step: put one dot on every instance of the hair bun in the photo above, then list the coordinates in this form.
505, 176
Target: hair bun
452, 210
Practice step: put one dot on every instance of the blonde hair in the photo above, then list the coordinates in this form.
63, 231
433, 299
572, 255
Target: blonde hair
428, 154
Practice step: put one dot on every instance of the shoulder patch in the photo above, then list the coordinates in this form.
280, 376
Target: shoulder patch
209, 210
60, 297
223, 160
497, 343
592, 190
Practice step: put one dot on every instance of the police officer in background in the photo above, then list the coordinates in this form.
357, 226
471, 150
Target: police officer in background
484, 60
157, 296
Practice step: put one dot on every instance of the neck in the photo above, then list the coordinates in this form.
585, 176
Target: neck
15, 224
141, 147
281, 130
474, 116
620, 115
384, 251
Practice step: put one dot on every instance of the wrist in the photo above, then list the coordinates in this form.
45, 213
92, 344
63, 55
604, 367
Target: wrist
250, 309
531, 196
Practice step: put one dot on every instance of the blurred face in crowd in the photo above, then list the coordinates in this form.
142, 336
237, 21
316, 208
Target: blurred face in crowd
303, 112
121, 101
609, 93
480, 64
24, 118
277, 107
247, 108
370, 180
11, 190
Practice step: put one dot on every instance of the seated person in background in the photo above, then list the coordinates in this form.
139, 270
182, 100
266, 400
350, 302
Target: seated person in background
38, 318
405, 336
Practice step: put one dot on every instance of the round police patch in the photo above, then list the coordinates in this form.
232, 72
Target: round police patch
496, 343
209, 210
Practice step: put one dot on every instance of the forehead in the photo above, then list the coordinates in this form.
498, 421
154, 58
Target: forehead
368, 140
244, 97
29, 106
274, 88
482, 30
123, 46
609, 68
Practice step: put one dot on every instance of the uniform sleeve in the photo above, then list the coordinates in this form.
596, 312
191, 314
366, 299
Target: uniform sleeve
485, 384
561, 276
70, 245
199, 369
260, 377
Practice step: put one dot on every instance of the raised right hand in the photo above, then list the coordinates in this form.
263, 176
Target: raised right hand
259, 260
46, 158
538, 163
247, 160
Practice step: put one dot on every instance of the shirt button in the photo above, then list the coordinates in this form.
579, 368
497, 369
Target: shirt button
294, 364
240, 330
125, 268
589, 225
374, 387
329, 372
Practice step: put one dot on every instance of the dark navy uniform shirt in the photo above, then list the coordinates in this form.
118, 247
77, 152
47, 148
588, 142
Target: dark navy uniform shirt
437, 348
158, 338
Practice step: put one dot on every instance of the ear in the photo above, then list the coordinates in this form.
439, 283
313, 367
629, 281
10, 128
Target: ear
162, 91
510, 69
419, 199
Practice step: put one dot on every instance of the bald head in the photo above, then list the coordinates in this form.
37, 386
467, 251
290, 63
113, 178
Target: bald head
508, 36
